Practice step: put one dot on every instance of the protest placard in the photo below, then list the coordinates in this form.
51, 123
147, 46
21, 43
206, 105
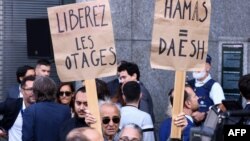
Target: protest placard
180, 34
180, 42
83, 44
83, 40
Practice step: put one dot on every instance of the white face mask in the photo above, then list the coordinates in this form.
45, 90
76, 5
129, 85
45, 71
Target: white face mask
199, 75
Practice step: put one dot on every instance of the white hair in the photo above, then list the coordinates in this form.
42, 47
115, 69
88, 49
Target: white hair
108, 101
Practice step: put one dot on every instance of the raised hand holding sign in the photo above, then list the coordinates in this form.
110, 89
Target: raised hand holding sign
83, 44
180, 42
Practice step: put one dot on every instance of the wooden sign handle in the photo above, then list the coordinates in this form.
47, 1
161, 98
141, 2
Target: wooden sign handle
179, 86
93, 103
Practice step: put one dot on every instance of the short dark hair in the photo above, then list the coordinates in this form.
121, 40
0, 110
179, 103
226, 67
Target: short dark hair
81, 89
44, 88
186, 95
131, 68
43, 62
21, 71
27, 78
131, 91
244, 86
209, 59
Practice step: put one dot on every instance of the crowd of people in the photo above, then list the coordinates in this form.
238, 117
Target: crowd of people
38, 109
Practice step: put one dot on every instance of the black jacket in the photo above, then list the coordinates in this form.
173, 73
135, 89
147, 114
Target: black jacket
10, 109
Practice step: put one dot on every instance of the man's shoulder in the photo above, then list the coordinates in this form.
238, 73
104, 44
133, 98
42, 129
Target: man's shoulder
211, 83
63, 109
128, 108
144, 90
44, 105
11, 104
142, 86
133, 110
11, 101
69, 122
145, 116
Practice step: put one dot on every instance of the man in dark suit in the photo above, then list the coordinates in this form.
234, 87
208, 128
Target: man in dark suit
129, 71
23, 71
9, 113
114, 84
190, 105
41, 121
12, 110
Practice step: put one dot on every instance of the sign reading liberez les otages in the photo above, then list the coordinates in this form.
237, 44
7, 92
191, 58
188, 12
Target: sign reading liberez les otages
83, 40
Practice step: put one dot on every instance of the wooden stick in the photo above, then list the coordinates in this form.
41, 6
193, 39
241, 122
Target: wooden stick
93, 103
179, 87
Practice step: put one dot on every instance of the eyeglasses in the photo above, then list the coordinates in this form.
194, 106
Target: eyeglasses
28, 89
67, 93
125, 138
115, 119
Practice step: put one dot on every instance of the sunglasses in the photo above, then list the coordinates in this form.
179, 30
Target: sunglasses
106, 120
67, 93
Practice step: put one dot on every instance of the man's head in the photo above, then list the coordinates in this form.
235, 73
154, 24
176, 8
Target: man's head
131, 92
27, 90
44, 89
128, 71
190, 98
201, 75
80, 102
131, 132
43, 67
84, 134
244, 86
24, 71
110, 115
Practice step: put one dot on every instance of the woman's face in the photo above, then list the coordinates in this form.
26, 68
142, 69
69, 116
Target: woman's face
65, 94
